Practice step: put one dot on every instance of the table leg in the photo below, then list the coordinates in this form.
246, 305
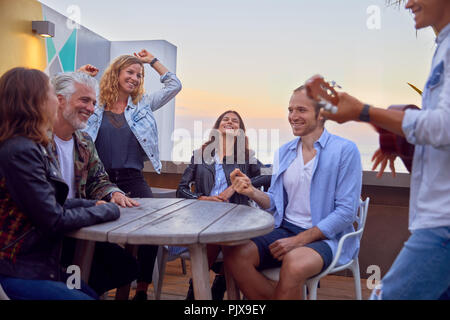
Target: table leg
200, 271
84, 252
233, 292
123, 292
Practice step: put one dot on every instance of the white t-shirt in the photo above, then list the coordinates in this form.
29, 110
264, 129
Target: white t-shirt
297, 183
66, 163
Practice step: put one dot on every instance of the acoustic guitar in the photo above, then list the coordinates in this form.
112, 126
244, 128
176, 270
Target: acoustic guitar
326, 96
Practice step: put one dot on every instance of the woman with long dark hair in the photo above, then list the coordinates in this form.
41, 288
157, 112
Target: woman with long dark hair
34, 212
210, 168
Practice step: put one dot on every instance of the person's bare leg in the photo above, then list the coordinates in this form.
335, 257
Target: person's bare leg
212, 251
242, 261
299, 265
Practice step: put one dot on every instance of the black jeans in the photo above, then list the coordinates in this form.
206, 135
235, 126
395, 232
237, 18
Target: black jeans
132, 182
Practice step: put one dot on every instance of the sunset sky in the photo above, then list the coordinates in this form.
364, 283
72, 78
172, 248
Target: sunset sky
248, 55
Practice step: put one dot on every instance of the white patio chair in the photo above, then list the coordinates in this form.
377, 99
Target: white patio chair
3, 295
353, 265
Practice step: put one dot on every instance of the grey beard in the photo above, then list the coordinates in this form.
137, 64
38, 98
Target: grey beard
74, 122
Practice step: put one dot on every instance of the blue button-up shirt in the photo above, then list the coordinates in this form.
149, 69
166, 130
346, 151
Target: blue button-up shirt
335, 189
429, 130
140, 117
220, 181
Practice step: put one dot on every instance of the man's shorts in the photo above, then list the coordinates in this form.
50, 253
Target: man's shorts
286, 230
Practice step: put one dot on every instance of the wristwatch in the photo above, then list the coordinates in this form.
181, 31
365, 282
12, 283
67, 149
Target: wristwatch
153, 61
364, 115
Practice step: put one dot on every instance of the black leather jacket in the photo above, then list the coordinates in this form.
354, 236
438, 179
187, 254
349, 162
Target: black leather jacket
203, 175
34, 189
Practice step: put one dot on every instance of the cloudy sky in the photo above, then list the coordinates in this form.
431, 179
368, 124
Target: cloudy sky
249, 55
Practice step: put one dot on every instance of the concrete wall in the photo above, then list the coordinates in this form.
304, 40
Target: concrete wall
73, 46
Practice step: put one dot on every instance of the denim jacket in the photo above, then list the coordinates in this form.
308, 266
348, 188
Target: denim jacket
428, 129
335, 189
140, 117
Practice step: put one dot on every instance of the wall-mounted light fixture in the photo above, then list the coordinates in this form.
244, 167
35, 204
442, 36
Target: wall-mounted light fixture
45, 29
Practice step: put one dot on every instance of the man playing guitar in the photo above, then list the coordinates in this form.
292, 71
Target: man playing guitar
422, 268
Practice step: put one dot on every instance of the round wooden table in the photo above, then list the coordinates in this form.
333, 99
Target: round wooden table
173, 221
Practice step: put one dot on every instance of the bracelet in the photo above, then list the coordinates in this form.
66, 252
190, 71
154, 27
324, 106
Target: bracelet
153, 62
364, 115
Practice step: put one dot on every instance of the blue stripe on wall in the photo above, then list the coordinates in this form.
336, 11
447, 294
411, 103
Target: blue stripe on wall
67, 53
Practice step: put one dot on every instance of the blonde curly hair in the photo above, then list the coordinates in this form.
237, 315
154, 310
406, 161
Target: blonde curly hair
109, 83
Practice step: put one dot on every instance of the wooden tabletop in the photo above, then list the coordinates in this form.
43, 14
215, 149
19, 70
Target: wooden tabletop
174, 221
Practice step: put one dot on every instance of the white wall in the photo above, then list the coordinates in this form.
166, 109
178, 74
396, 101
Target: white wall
167, 54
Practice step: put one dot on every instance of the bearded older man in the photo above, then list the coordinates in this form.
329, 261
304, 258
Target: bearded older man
83, 171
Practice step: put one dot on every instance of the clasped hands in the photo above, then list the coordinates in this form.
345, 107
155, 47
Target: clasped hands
243, 185
222, 197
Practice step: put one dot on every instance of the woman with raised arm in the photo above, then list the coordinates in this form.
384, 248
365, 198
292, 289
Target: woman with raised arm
34, 212
124, 130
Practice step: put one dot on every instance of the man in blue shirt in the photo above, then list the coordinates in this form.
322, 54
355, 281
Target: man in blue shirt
314, 196
422, 268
